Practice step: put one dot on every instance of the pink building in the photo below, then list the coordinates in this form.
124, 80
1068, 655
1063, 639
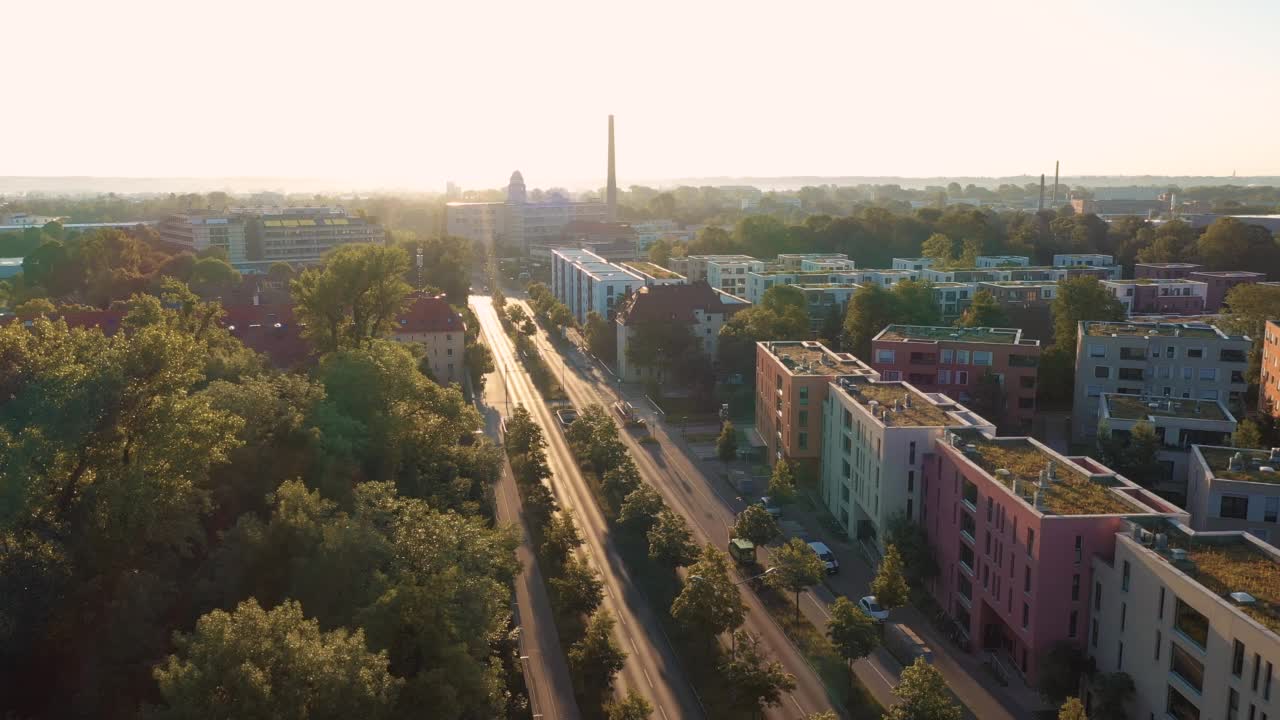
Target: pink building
955, 361
1164, 271
1015, 526
1220, 282
1146, 296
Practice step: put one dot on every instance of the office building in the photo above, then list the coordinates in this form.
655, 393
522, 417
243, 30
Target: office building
255, 238
1164, 271
1178, 424
1220, 283
1168, 360
1159, 296
1015, 525
877, 438
1234, 489
1192, 618
791, 386
957, 361
586, 283
696, 305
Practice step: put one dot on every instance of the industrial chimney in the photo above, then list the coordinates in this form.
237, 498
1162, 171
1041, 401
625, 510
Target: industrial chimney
611, 189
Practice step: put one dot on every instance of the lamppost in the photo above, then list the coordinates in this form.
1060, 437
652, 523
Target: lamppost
699, 578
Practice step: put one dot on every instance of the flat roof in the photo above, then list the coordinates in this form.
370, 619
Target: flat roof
1229, 273
999, 336
1020, 283
1168, 265
1099, 328
922, 412
651, 269
819, 286
812, 358
1218, 460
1153, 281
1138, 407
1073, 492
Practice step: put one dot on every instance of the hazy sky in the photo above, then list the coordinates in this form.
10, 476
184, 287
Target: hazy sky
417, 92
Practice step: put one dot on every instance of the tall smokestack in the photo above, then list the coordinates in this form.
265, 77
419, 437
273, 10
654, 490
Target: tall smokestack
1055, 185
1041, 205
611, 189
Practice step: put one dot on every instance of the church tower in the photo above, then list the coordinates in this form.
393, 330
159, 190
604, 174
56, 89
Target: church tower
515, 189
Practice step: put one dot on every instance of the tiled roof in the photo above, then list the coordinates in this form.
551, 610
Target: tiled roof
270, 330
428, 314
674, 303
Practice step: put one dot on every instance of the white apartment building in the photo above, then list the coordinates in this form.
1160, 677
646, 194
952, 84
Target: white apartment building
1178, 423
697, 267
586, 283
882, 277
990, 261
1235, 489
1159, 295
917, 264
1090, 259
1192, 618
875, 438
729, 272
796, 261
1167, 360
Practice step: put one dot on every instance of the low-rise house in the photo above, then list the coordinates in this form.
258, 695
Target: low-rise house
1147, 296
695, 305
1234, 489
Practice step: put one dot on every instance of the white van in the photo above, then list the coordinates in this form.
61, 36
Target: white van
828, 557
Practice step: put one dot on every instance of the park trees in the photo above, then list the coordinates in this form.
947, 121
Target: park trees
354, 297
782, 483
872, 308
780, 315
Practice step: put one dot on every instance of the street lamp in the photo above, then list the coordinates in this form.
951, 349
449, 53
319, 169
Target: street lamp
699, 578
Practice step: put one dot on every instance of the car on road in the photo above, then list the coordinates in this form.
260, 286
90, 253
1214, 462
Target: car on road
769, 505
566, 416
869, 606
828, 558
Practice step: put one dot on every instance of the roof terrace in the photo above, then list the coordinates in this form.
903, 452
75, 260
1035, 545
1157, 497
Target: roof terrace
909, 333
899, 403
1140, 407
1068, 491
1248, 467
1102, 328
809, 357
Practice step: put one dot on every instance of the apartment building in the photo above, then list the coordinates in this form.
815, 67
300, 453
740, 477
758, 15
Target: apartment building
826, 303
759, 281
1168, 360
1269, 376
1192, 618
825, 265
697, 305
965, 275
1015, 525
653, 274
990, 261
878, 276
1234, 489
728, 273
255, 238
1220, 283
1164, 271
913, 264
877, 438
695, 267
791, 386
430, 321
1021, 292
1158, 296
1179, 424
1089, 259
952, 298
955, 361
796, 261
586, 282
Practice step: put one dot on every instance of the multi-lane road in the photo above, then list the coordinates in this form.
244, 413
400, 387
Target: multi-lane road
651, 667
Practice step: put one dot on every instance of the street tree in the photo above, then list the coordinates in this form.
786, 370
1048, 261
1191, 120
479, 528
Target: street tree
754, 681
984, 311
782, 483
254, 663
924, 695
755, 524
1072, 709
578, 587
353, 297
727, 443
912, 542
796, 567
640, 510
1060, 672
631, 707
853, 632
709, 603
596, 658
559, 539
618, 482
670, 543
890, 584
601, 336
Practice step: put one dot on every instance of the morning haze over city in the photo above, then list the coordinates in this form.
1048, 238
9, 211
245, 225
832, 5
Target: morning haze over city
574, 361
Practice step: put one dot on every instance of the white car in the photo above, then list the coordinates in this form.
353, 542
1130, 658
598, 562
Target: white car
828, 558
869, 606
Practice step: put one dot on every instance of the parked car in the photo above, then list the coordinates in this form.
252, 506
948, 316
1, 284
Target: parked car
869, 606
828, 558
769, 505
566, 417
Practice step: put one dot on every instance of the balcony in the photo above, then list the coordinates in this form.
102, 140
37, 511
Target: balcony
1233, 356
1128, 353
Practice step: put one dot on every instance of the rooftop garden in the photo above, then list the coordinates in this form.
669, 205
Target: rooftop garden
1219, 461
1004, 336
1239, 566
652, 270
922, 413
1136, 407
1073, 493
795, 355
1101, 328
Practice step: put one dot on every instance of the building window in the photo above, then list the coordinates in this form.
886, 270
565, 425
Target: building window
981, 357
970, 493
804, 441
1093, 633
1257, 666
1071, 623
1031, 541
1159, 642
967, 525
804, 396
1208, 373
1271, 510
1237, 658
1124, 577
1026, 579
1079, 550
1102, 371
884, 356
1266, 683
1026, 615
911, 481
966, 557
911, 453
1233, 704
1186, 667
962, 357
1097, 351
1180, 708
1097, 595
1120, 656
962, 377
1234, 506
1075, 587
802, 418
1160, 607
1188, 621
1124, 614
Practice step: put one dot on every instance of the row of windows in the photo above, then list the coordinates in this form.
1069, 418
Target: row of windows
948, 357
1236, 507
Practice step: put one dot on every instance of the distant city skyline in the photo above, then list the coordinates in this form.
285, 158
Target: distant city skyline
413, 96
